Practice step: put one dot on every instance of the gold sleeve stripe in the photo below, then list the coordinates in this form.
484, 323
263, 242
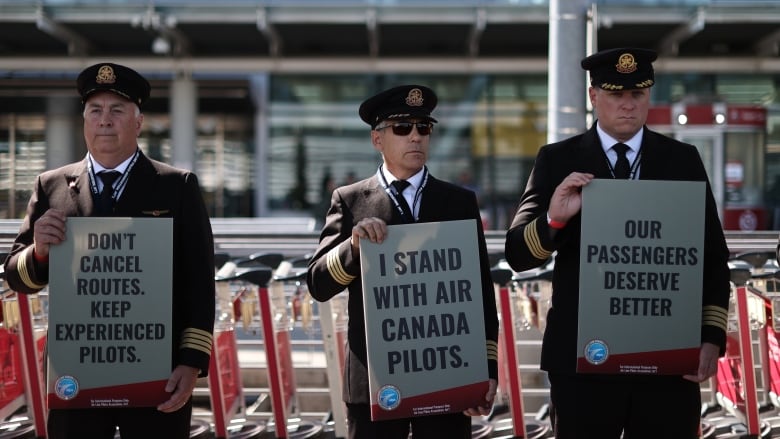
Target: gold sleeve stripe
197, 339
492, 350
204, 345
336, 270
24, 274
531, 237
714, 316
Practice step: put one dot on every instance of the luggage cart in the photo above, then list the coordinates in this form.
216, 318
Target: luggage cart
225, 382
334, 317
264, 298
764, 281
735, 389
516, 315
15, 421
288, 292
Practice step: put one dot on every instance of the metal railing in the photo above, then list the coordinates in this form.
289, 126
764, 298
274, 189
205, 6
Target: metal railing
296, 236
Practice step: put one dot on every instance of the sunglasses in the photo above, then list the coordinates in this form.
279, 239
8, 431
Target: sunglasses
404, 128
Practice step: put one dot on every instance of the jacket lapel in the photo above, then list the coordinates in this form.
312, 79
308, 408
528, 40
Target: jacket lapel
80, 191
140, 182
591, 157
431, 200
649, 161
377, 200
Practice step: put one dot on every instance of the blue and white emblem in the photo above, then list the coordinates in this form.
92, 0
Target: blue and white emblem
389, 397
596, 352
66, 387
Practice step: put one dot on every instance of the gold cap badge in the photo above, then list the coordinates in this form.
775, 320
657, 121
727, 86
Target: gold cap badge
105, 75
626, 63
414, 98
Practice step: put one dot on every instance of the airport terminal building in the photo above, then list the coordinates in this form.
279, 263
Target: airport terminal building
260, 98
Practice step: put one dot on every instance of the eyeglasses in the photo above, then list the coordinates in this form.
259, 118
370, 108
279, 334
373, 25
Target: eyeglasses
404, 128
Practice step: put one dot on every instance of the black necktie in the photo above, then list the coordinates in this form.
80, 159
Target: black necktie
105, 203
622, 167
399, 186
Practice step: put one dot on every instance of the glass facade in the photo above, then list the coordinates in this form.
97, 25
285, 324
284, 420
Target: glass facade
490, 127
277, 84
22, 158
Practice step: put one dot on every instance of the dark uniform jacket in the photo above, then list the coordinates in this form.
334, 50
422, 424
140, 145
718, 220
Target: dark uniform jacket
153, 189
332, 268
529, 245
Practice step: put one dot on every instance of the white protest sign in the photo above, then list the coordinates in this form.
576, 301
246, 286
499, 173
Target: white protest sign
109, 339
641, 263
425, 331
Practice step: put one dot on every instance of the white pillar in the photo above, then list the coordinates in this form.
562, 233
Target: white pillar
566, 80
184, 121
259, 86
64, 138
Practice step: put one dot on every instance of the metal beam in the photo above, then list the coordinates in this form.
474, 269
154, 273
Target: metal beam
670, 45
373, 33
244, 65
269, 31
477, 28
77, 44
54, 65
391, 12
768, 45
634, 14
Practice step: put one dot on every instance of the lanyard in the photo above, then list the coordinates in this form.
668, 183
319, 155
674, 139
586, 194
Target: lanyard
634, 170
393, 193
119, 186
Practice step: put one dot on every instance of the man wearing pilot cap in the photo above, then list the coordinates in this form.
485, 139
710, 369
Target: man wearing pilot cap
400, 191
116, 179
547, 223
115, 78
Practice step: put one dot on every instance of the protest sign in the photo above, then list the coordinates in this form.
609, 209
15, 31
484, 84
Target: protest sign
109, 342
425, 332
641, 277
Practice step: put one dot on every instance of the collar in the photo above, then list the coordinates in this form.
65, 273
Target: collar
415, 180
97, 167
607, 141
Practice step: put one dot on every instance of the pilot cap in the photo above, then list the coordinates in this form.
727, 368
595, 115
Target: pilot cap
115, 78
625, 68
402, 102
